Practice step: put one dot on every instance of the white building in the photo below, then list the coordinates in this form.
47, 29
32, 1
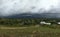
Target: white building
58, 23
44, 23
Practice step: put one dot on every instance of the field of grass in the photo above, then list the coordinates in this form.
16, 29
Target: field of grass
32, 31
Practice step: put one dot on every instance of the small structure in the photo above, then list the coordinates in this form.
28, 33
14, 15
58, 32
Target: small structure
58, 23
44, 23
48, 23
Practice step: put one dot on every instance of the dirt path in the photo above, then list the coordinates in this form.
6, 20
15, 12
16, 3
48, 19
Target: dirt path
13, 27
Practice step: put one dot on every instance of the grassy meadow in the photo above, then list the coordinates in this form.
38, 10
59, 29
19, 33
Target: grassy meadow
32, 31
28, 28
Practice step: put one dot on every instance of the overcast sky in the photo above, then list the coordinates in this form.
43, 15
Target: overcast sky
9, 7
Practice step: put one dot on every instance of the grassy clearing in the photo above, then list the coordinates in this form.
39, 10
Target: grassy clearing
32, 31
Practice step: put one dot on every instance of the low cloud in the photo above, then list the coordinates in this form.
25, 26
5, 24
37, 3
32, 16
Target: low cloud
10, 7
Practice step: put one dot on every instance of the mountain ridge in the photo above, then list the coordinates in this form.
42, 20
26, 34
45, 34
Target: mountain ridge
36, 15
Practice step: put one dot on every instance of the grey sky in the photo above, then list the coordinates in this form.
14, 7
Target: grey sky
9, 7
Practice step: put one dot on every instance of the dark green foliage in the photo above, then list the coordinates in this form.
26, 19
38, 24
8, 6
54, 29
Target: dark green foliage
27, 21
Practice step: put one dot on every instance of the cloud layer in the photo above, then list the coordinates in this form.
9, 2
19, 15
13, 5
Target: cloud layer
9, 7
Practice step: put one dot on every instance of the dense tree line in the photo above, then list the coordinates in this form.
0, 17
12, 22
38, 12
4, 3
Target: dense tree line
23, 22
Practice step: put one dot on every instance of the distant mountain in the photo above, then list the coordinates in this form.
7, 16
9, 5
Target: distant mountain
36, 15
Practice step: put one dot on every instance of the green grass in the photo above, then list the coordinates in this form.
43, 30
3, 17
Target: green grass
32, 31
